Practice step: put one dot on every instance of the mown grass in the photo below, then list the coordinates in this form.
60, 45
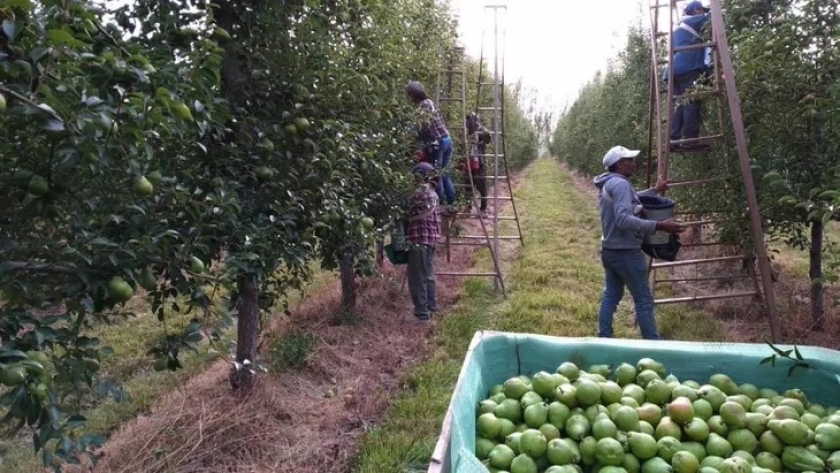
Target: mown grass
131, 368
797, 261
555, 289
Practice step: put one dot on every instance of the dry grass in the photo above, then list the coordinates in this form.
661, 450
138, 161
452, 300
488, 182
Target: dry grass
202, 431
306, 420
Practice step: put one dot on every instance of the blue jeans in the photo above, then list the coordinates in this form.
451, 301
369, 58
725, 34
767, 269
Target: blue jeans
441, 159
626, 268
685, 119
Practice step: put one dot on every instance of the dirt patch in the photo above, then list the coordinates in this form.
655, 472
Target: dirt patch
743, 317
306, 420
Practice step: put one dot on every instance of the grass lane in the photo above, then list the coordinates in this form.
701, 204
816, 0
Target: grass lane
555, 287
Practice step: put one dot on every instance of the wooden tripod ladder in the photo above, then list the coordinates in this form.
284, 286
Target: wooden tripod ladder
663, 103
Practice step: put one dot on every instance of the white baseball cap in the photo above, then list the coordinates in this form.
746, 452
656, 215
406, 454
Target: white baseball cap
617, 153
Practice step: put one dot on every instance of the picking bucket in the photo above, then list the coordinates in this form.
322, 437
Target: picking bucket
397, 249
657, 208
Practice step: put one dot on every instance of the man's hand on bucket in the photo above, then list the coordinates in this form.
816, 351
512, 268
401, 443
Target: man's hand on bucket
670, 226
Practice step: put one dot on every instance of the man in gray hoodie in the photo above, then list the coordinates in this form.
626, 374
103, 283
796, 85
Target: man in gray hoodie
621, 245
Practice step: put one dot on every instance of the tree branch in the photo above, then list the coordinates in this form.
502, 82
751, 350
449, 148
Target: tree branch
25, 100
55, 268
108, 35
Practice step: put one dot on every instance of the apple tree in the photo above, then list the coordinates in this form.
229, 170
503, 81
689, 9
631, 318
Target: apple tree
360, 72
612, 108
788, 82
107, 192
318, 114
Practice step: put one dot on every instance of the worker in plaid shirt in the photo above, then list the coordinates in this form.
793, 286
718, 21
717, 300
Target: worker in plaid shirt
423, 234
435, 138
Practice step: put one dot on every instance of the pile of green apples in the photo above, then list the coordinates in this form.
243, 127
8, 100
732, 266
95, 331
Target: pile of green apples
638, 418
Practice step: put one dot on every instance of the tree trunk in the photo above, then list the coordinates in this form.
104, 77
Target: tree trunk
815, 272
348, 280
234, 74
380, 252
247, 333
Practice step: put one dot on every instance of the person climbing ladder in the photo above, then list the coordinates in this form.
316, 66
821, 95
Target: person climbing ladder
689, 66
476, 162
435, 137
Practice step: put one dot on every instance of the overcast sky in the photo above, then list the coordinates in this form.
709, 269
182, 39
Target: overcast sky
555, 46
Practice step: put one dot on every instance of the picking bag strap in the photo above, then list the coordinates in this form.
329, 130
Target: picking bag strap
691, 30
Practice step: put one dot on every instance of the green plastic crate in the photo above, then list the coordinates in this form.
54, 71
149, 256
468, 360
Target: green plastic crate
494, 357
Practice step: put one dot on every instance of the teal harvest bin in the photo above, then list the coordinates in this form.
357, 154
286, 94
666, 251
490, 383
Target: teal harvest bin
493, 357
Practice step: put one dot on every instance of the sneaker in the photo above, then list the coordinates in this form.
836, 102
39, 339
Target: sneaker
423, 317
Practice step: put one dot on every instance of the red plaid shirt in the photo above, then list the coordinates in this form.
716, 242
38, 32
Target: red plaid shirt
425, 231
432, 127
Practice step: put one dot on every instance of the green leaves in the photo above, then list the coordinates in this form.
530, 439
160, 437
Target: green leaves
9, 29
798, 360
73, 221
63, 37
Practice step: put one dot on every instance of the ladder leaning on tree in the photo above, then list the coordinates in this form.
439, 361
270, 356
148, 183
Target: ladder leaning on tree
659, 138
498, 176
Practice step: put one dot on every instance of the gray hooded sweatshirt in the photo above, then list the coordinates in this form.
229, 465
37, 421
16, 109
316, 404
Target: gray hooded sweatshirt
620, 206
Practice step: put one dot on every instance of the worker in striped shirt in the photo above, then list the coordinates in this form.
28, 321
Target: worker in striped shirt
434, 135
423, 234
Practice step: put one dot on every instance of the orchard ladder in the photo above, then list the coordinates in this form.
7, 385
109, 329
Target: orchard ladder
496, 177
451, 93
659, 138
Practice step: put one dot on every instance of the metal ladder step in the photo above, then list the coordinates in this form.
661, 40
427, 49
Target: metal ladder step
490, 178
694, 182
488, 216
467, 243
694, 223
698, 140
726, 295
701, 279
719, 259
445, 273
704, 244
482, 237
